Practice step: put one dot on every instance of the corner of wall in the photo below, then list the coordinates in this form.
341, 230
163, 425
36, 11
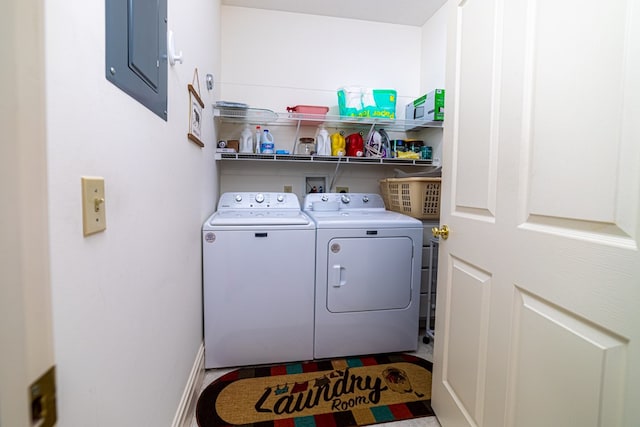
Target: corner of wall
187, 406
433, 51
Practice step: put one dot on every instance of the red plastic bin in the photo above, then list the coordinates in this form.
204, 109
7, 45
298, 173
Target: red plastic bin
311, 114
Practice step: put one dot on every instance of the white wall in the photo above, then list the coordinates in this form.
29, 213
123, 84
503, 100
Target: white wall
273, 59
126, 302
433, 65
433, 51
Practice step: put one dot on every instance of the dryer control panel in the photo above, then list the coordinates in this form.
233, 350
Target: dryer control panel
318, 201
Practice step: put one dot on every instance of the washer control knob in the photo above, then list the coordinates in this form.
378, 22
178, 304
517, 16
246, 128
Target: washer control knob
345, 199
280, 198
365, 199
324, 198
238, 198
259, 197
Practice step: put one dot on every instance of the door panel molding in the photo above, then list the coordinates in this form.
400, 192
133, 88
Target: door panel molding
606, 234
579, 347
556, 141
467, 326
476, 145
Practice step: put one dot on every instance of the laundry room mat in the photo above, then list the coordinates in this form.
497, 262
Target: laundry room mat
336, 392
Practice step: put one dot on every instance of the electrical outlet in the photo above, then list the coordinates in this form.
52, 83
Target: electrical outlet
288, 189
94, 217
342, 189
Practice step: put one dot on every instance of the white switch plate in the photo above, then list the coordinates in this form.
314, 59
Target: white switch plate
94, 218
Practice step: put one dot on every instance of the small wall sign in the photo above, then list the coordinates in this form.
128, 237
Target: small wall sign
195, 111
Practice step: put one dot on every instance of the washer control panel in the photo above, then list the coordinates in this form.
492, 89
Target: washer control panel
258, 200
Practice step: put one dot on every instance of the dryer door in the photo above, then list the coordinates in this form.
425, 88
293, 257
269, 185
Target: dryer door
366, 274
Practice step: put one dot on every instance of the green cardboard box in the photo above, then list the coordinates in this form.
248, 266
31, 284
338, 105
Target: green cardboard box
427, 108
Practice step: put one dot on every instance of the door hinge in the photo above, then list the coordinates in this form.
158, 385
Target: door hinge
42, 394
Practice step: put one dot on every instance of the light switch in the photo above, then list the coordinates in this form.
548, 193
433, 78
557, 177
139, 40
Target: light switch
94, 218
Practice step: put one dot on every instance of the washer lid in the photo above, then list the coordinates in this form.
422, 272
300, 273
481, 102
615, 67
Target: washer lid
363, 219
260, 217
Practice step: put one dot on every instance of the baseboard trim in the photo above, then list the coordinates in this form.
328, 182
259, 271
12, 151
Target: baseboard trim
187, 406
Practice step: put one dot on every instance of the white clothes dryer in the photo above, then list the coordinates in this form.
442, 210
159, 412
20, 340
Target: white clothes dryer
368, 262
258, 280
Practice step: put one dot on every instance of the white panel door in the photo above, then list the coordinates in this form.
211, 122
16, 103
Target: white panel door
26, 331
539, 281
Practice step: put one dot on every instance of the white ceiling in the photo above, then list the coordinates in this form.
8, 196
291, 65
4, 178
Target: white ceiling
405, 12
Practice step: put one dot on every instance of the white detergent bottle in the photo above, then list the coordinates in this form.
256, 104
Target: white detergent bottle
323, 145
267, 145
246, 140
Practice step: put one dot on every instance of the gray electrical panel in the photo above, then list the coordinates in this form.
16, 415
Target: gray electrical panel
136, 50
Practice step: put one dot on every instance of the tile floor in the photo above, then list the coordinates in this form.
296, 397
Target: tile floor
424, 350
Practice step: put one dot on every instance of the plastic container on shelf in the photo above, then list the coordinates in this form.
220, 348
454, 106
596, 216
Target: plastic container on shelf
306, 145
397, 145
418, 197
414, 145
426, 152
267, 145
355, 145
311, 114
246, 140
338, 144
323, 145
258, 140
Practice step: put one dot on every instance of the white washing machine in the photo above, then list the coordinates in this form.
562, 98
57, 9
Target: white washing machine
368, 262
258, 280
